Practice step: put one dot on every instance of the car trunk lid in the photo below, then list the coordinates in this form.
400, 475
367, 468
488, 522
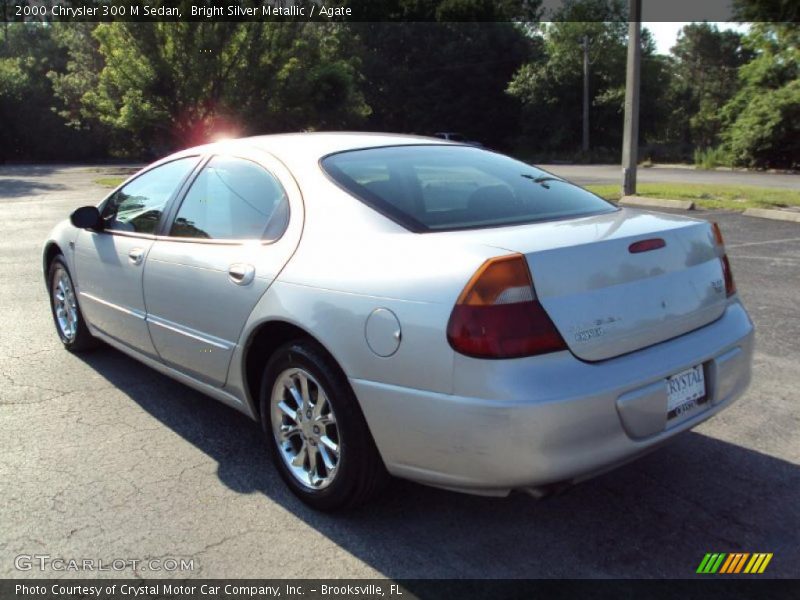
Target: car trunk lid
618, 282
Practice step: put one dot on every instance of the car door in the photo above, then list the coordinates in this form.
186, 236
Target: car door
228, 238
109, 262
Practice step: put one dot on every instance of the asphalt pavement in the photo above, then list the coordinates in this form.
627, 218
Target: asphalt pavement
103, 458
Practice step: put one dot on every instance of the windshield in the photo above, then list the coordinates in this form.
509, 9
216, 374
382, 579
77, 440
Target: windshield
432, 187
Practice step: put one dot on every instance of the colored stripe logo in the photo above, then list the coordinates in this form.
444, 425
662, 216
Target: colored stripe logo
734, 563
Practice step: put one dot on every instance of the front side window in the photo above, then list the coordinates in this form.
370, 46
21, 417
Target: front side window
233, 199
438, 187
138, 206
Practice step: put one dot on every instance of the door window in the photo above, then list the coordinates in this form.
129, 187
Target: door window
233, 199
138, 206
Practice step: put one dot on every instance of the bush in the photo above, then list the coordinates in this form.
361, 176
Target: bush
766, 134
711, 158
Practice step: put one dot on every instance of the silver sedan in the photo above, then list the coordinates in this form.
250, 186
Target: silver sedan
386, 304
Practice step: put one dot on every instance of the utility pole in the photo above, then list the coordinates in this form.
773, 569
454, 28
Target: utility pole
585, 145
630, 136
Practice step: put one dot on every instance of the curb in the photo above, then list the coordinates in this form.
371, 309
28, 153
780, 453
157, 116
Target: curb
656, 203
777, 215
761, 213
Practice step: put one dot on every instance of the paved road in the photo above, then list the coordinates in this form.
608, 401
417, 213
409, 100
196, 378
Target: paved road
586, 174
103, 458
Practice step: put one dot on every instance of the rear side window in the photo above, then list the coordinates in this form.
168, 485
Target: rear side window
138, 206
233, 199
431, 187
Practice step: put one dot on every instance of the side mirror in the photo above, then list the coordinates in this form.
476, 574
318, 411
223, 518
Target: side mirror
86, 217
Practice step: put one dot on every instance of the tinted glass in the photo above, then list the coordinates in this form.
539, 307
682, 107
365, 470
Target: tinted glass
429, 188
233, 199
137, 207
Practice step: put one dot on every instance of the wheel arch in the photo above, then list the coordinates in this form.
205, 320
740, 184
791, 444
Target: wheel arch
261, 344
51, 250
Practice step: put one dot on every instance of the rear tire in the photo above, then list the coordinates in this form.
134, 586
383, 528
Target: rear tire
317, 435
67, 316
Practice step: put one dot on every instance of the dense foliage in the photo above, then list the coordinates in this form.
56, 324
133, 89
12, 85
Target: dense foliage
551, 87
762, 119
89, 90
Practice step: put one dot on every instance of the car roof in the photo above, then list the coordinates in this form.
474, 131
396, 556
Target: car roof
293, 147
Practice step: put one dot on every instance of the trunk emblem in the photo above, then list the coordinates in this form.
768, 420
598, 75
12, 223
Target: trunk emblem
646, 245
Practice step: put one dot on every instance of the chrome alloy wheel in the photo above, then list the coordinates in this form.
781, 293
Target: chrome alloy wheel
65, 305
304, 428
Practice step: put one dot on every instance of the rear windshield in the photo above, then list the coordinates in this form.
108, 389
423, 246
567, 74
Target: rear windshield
438, 187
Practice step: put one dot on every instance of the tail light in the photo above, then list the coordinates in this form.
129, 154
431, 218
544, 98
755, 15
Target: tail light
498, 316
730, 284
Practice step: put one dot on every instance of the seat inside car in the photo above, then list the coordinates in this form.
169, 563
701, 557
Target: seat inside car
493, 202
403, 192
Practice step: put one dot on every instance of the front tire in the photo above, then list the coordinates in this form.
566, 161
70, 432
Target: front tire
67, 316
318, 438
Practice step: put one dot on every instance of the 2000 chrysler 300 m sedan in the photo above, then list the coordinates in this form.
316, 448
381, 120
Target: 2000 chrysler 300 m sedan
406, 305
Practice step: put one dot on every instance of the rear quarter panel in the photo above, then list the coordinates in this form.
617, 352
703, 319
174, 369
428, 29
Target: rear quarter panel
352, 261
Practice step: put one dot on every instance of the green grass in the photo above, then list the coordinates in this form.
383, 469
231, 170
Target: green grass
110, 182
733, 197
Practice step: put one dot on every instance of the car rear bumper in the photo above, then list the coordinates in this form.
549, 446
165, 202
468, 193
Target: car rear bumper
530, 422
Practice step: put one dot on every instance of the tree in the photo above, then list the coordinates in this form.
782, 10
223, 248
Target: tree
705, 76
763, 119
774, 11
31, 129
451, 11
444, 71
429, 77
162, 86
550, 88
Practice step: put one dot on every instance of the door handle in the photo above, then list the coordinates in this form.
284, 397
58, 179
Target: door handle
136, 256
241, 273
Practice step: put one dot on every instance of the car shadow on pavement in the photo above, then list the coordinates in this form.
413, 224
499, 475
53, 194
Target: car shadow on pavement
655, 517
28, 170
14, 188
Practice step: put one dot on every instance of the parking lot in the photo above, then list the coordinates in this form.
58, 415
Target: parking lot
103, 458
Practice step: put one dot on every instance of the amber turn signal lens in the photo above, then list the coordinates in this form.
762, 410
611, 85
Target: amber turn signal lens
497, 277
498, 316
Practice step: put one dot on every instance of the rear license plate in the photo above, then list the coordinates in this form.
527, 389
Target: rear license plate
686, 392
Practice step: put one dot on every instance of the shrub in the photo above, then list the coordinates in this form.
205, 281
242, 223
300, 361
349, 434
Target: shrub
711, 158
